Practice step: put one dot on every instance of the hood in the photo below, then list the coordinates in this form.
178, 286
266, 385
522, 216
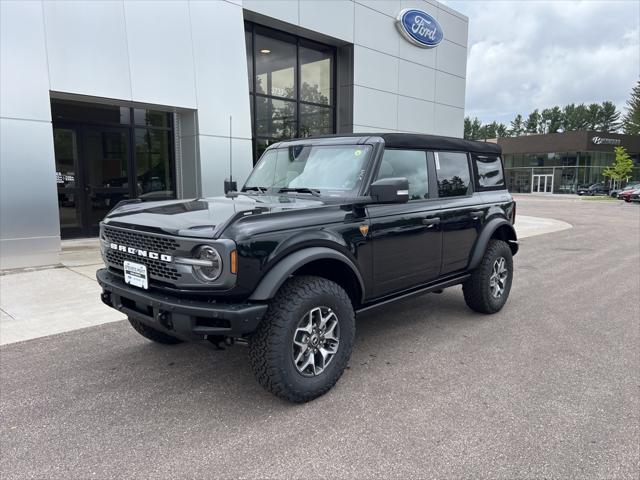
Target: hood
204, 217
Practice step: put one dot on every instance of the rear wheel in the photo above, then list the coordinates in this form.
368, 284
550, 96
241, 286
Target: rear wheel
487, 290
304, 342
153, 334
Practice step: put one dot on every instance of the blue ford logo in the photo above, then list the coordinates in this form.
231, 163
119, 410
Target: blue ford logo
419, 28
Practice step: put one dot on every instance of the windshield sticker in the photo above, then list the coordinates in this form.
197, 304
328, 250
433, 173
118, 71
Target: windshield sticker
357, 153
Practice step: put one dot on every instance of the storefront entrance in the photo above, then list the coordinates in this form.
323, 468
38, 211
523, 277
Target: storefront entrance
113, 154
542, 184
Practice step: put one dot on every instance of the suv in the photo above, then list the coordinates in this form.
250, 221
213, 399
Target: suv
324, 228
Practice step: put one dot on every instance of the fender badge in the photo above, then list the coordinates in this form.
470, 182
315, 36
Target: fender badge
364, 229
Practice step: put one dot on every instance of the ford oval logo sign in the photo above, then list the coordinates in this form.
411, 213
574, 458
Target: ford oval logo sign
419, 28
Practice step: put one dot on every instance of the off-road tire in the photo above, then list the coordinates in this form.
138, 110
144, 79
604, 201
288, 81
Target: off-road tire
153, 334
270, 346
476, 289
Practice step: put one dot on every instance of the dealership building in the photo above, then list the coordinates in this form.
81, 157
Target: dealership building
109, 100
562, 162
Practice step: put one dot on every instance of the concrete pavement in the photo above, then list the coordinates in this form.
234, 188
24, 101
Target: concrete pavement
39, 302
547, 388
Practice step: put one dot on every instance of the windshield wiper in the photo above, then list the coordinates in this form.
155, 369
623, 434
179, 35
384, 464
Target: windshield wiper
312, 191
259, 189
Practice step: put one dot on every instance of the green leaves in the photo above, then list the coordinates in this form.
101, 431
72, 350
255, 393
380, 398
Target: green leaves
631, 121
622, 166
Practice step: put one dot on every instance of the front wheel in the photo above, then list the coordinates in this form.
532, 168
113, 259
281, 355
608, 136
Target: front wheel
487, 290
304, 342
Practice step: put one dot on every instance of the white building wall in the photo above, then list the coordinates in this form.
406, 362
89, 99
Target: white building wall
397, 86
179, 54
190, 55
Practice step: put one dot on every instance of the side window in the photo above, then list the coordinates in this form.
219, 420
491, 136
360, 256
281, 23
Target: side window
452, 170
490, 173
411, 164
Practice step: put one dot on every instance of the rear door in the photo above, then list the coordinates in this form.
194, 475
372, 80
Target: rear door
406, 238
461, 217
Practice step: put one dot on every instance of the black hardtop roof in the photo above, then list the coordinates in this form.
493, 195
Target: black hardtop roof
405, 140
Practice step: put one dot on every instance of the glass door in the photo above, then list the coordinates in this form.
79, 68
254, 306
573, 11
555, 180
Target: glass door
92, 175
542, 184
106, 158
70, 188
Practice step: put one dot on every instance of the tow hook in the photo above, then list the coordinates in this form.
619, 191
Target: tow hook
165, 320
106, 298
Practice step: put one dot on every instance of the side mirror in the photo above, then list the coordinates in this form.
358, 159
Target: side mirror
390, 190
230, 186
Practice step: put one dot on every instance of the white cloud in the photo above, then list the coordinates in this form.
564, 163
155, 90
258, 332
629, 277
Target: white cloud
525, 55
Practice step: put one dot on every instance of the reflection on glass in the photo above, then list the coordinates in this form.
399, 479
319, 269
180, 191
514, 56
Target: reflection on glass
101, 203
66, 153
275, 67
275, 118
316, 75
69, 208
315, 120
71, 111
249, 47
151, 118
452, 171
106, 157
153, 164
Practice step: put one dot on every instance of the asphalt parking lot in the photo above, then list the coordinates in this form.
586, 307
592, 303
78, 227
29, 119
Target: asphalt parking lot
549, 387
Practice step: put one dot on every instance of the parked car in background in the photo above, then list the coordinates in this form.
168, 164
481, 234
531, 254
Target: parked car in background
628, 194
595, 189
635, 196
630, 187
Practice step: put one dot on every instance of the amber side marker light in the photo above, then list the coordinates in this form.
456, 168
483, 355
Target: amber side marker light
234, 262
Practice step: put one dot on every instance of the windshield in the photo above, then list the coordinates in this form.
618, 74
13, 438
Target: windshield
332, 170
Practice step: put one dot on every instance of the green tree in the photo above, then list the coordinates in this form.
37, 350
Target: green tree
594, 116
502, 131
631, 120
609, 118
533, 121
472, 128
621, 168
517, 126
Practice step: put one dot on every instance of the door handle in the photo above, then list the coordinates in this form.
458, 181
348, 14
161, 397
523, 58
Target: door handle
431, 221
476, 214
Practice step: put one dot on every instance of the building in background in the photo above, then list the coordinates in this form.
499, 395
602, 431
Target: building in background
108, 100
561, 162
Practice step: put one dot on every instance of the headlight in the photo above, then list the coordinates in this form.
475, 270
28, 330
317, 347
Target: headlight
213, 268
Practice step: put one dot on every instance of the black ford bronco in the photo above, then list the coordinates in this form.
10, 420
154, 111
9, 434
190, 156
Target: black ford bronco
324, 228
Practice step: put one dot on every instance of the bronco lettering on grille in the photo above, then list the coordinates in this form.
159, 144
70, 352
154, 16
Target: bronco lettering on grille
141, 253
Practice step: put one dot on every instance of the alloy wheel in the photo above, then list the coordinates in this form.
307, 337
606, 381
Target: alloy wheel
315, 341
498, 278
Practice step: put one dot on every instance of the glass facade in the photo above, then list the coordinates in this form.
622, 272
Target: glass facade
105, 154
558, 172
291, 84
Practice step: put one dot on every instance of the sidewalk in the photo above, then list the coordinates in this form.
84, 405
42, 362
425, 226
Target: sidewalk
39, 302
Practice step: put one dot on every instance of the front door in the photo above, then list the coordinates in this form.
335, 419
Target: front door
407, 239
542, 184
92, 174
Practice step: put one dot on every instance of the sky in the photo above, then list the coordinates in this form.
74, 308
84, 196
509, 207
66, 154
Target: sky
528, 54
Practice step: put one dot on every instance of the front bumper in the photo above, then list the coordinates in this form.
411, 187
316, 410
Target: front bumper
183, 318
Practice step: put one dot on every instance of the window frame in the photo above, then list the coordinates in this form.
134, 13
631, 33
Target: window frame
253, 28
476, 174
471, 188
431, 194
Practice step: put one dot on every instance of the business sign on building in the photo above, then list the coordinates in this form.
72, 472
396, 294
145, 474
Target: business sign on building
605, 141
419, 28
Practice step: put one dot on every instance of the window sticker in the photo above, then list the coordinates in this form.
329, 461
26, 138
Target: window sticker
357, 153
435, 154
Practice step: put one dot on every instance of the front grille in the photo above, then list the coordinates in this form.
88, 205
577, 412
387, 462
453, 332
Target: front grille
161, 245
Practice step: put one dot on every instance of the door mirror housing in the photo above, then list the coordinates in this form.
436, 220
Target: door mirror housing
390, 190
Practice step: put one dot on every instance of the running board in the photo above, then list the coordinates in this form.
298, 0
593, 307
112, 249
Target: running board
414, 293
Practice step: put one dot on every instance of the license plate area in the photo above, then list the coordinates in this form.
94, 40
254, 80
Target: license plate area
136, 274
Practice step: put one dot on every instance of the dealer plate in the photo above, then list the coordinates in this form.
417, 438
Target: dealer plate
136, 274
